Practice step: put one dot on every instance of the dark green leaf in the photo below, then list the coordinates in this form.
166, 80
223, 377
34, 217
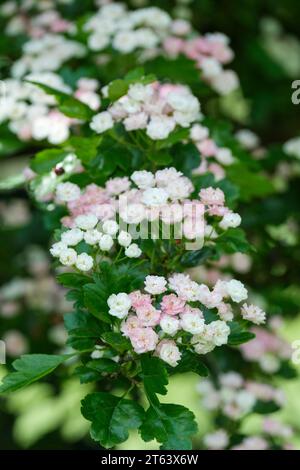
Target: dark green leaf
116, 341
46, 160
111, 417
172, 425
29, 368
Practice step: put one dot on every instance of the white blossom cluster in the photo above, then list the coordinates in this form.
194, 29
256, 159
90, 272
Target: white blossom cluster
156, 108
86, 229
46, 54
113, 25
31, 113
235, 397
160, 325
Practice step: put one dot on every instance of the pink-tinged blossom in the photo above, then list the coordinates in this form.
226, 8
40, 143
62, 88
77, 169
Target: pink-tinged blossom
148, 315
138, 299
207, 148
129, 325
172, 305
143, 340
212, 196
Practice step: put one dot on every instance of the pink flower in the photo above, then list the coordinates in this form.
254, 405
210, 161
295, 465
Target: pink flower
136, 121
143, 340
207, 148
212, 197
129, 325
172, 305
115, 186
148, 315
138, 299
173, 46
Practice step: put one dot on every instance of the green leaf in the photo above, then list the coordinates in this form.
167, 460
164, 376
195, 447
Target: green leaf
117, 88
234, 240
160, 158
46, 160
197, 257
29, 368
85, 148
12, 182
172, 425
67, 104
95, 300
103, 365
73, 280
265, 407
116, 341
154, 375
83, 329
111, 417
251, 185
238, 335
190, 362
176, 136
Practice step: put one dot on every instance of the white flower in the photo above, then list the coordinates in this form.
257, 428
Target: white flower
57, 249
199, 132
225, 82
236, 290
124, 238
86, 222
68, 257
245, 401
143, 179
218, 332
67, 192
106, 242
84, 262
192, 323
292, 147
72, 237
231, 219
136, 121
231, 380
224, 156
119, 304
125, 41
102, 122
110, 227
210, 67
169, 324
133, 251
155, 284
248, 139
168, 175
253, 313
269, 363
160, 127
140, 92
98, 41
154, 197
217, 440
133, 213
169, 353
92, 236
202, 345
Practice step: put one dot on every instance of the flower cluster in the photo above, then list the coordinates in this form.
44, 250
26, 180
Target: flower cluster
46, 54
150, 32
148, 197
31, 113
156, 108
210, 52
214, 158
267, 349
86, 230
271, 430
235, 397
167, 316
